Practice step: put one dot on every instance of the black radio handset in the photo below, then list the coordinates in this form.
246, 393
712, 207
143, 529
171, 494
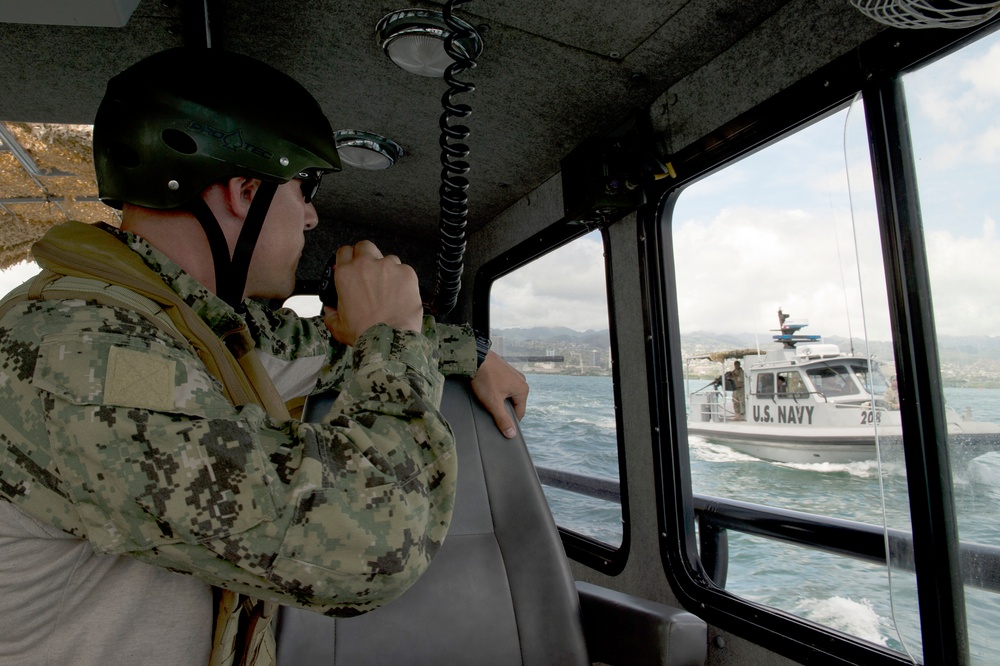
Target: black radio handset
327, 287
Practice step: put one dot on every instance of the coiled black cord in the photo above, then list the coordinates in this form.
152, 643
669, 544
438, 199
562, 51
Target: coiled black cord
454, 184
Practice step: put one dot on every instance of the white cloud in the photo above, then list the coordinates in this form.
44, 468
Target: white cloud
788, 241
988, 147
566, 287
955, 99
736, 270
981, 72
963, 271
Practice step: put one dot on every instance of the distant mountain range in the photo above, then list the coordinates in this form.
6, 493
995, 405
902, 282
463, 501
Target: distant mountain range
959, 350
600, 338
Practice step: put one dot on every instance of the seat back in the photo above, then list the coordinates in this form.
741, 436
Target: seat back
498, 592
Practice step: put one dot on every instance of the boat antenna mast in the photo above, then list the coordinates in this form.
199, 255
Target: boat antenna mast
789, 335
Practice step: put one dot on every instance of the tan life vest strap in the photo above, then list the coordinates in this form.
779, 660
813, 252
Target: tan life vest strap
80, 250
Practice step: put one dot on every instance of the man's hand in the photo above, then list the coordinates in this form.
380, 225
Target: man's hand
493, 384
372, 289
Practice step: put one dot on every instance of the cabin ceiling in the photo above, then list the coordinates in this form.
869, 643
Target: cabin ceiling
551, 74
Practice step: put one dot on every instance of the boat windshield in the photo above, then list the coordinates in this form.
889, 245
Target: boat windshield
833, 381
871, 378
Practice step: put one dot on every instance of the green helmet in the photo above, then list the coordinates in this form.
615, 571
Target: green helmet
179, 120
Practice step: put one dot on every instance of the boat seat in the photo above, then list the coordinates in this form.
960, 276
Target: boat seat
500, 590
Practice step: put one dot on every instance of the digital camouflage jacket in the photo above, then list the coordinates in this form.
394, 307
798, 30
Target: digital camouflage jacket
112, 430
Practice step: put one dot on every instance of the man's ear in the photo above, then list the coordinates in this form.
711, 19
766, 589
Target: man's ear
240, 192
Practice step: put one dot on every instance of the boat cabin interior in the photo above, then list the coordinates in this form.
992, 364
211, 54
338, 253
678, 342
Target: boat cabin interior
560, 160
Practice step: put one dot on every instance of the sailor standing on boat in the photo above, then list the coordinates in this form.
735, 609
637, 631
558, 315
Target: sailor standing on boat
891, 396
736, 377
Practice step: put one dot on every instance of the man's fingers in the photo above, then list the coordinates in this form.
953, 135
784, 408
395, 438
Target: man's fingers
520, 402
494, 383
373, 289
508, 429
367, 247
344, 254
336, 327
503, 420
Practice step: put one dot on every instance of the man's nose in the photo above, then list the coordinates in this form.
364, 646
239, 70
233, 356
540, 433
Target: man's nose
311, 217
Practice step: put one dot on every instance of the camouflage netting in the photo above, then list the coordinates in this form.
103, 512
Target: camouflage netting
56, 149
718, 357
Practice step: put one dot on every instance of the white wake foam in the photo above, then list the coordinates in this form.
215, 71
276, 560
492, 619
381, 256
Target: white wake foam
857, 618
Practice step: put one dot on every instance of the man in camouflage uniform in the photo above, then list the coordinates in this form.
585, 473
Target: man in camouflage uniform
737, 378
143, 423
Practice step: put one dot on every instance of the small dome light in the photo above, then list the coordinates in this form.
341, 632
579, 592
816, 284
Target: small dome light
364, 150
414, 40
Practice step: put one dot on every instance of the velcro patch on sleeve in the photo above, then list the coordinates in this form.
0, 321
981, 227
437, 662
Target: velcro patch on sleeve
139, 379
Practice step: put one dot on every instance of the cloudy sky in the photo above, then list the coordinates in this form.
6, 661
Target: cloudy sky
566, 287
793, 226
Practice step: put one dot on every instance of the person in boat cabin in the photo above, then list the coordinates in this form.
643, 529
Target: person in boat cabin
736, 377
891, 396
146, 388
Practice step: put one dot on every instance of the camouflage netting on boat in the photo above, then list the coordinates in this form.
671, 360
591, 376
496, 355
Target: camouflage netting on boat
63, 188
720, 356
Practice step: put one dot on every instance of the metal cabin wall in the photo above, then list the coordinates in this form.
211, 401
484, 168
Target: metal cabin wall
796, 41
526, 219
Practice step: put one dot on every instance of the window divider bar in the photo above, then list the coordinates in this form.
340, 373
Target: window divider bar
925, 435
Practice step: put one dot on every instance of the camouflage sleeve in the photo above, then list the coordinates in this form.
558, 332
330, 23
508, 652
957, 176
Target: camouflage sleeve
456, 346
282, 334
145, 457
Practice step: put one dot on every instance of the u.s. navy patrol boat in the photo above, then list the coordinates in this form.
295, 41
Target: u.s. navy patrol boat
806, 401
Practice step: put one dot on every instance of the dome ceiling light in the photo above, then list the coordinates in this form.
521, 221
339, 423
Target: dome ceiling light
364, 150
414, 40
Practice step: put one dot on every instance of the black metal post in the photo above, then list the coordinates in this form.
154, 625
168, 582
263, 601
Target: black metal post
925, 435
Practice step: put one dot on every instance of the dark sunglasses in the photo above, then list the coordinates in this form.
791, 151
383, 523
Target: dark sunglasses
310, 183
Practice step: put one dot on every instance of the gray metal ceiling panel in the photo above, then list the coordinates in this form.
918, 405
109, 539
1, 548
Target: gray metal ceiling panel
545, 82
794, 42
601, 28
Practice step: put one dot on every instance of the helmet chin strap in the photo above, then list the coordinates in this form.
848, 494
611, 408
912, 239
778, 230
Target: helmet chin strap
231, 271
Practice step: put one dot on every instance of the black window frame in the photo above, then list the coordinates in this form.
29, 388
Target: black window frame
874, 70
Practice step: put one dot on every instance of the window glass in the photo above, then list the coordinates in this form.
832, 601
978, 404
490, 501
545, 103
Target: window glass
954, 112
787, 206
791, 386
832, 381
778, 266
549, 319
765, 384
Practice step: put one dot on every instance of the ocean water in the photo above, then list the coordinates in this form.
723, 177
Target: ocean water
570, 425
